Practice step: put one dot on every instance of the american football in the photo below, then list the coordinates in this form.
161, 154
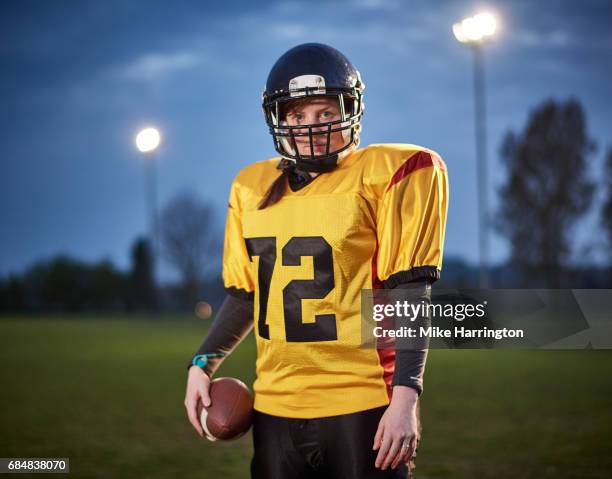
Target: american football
229, 415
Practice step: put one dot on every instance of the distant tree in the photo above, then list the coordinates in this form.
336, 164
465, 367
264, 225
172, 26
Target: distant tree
189, 241
107, 288
142, 293
57, 285
65, 284
12, 295
606, 212
546, 190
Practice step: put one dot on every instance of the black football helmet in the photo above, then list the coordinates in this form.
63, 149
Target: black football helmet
313, 69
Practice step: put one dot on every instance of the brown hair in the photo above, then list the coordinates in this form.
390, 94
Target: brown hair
276, 190
288, 106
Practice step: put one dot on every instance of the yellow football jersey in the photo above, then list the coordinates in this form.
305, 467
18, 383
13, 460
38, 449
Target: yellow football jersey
377, 219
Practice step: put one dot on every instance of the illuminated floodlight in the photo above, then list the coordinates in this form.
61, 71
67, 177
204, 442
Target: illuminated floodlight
475, 29
147, 140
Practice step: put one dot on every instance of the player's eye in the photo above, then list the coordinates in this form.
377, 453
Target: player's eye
328, 115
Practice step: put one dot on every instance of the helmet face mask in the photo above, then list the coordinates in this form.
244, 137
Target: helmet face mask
313, 71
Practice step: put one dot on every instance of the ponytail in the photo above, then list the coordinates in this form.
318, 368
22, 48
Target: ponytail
276, 190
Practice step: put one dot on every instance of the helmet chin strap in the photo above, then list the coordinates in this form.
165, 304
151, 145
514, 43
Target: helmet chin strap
321, 165
325, 164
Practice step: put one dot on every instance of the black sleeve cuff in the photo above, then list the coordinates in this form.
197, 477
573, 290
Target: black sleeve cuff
240, 293
409, 369
416, 385
431, 273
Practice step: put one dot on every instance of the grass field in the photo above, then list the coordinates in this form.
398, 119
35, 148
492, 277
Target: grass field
108, 393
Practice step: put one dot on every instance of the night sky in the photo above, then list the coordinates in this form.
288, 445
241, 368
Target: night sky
79, 78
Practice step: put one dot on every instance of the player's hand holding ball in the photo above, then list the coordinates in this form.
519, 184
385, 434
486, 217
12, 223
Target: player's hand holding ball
197, 396
230, 413
220, 409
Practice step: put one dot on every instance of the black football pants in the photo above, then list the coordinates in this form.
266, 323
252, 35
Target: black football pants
335, 447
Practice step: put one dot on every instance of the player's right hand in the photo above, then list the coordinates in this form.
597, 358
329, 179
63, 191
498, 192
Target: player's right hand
197, 396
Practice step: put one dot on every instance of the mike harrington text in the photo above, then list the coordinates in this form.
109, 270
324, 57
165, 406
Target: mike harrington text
456, 332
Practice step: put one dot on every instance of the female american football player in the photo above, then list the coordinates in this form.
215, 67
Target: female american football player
306, 232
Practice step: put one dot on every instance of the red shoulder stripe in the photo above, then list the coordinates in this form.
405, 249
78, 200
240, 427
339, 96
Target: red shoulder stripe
421, 159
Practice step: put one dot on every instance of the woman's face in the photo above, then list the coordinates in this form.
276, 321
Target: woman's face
311, 111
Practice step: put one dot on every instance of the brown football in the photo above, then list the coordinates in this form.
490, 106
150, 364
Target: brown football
230, 412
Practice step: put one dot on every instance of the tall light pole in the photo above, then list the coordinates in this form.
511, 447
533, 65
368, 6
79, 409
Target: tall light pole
475, 32
147, 141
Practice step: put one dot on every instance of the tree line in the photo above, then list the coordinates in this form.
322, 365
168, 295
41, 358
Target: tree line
189, 242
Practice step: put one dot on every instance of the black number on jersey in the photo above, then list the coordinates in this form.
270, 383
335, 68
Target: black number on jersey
265, 248
324, 327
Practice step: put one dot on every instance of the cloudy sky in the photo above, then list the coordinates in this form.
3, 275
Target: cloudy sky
79, 78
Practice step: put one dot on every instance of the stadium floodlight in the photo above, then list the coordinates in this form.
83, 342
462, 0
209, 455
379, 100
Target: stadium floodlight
474, 32
148, 140
475, 29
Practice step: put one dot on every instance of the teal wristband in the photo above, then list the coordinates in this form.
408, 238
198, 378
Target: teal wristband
201, 360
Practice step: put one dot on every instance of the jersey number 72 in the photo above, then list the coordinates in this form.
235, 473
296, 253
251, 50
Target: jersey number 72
324, 326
